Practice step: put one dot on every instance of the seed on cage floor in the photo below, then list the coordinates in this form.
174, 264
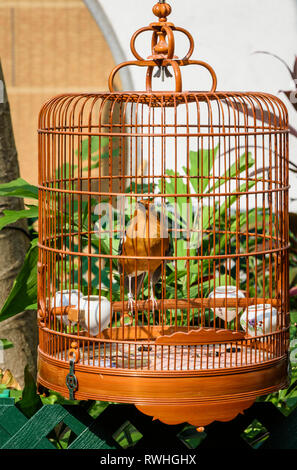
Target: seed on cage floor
233, 350
205, 354
144, 348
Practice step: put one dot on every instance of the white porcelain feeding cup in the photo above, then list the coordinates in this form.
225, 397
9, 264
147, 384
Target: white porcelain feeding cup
230, 292
259, 319
66, 297
95, 313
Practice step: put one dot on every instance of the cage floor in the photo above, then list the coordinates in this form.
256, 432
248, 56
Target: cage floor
171, 358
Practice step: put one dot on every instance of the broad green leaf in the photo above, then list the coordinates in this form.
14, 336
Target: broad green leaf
209, 285
106, 281
179, 275
177, 186
140, 189
105, 154
292, 388
65, 171
176, 221
23, 295
10, 217
91, 167
30, 402
19, 188
235, 169
226, 205
293, 316
94, 142
201, 164
54, 398
210, 216
97, 408
181, 251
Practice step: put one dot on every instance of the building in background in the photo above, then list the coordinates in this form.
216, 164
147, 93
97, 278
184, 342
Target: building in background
47, 47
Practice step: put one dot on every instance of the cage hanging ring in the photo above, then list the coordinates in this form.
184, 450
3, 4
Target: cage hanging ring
73, 355
133, 39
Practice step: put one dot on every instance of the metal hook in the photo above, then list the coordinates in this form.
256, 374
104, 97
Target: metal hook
164, 71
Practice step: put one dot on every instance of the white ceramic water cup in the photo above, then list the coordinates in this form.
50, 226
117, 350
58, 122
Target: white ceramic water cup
95, 313
67, 297
259, 319
229, 292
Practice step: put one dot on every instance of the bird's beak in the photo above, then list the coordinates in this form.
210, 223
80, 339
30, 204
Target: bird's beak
146, 202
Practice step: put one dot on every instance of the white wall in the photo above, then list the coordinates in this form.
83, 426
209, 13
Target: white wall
226, 33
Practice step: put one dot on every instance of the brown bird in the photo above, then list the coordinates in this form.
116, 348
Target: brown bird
145, 236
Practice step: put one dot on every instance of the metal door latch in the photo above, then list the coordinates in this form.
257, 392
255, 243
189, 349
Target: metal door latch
71, 380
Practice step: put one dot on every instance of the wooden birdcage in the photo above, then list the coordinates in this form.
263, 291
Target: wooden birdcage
163, 243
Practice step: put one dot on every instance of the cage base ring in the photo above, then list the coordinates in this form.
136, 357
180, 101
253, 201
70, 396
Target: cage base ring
199, 399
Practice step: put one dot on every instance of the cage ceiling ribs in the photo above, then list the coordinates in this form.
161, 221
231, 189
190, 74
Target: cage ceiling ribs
163, 243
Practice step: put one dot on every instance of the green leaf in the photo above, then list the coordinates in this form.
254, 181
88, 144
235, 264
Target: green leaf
5, 344
177, 186
208, 221
10, 217
115, 153
96, 141
209, 285
244, 162
106, 281
181, 252
94, 146
209, 217
293, 316
54, 398
23, 295
171, 277
30, 402
97, 408
19, 188
292, 388
201, 164
16, 394
140, 189
65, 171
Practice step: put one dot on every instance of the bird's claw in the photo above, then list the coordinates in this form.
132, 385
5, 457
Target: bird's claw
154, 302
131, 302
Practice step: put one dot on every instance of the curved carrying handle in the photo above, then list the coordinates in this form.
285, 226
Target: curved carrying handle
210, 70
150, 67
175, 64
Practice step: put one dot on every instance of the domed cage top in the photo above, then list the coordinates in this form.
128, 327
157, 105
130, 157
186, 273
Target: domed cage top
163, 243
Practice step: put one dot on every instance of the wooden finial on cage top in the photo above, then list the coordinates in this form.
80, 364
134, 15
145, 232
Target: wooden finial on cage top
162, 10
163, 52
